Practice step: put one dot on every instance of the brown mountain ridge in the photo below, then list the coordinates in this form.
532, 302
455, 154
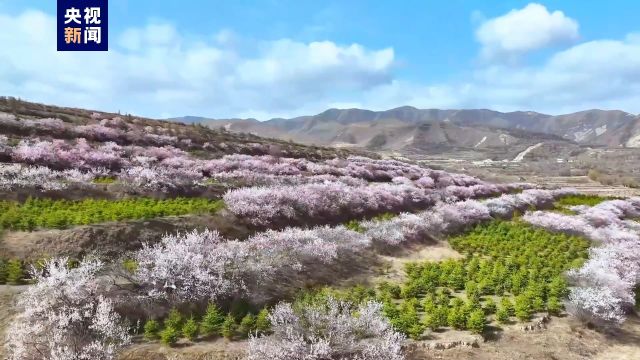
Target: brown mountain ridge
408, 129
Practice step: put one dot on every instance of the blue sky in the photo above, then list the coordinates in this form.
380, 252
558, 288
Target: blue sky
286, 58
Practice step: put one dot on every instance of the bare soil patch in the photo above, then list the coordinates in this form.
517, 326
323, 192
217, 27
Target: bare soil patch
564, 338
394, 264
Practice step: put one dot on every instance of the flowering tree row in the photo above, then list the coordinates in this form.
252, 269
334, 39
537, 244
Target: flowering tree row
14, 176
200, 265
116, 130
175, 169
446, 218
82, 154
203, 265
357, 167
152, 168
336, 201
604, 285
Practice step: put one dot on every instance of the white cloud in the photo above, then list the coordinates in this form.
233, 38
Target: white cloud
520, 31
597, 74
157, 70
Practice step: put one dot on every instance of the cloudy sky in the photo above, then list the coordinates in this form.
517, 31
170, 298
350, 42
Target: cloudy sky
276, 58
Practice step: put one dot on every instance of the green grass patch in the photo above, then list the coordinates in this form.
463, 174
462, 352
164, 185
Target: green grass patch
582, 199
104, 180
60, 214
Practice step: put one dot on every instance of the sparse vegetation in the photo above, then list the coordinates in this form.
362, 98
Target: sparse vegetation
608, 179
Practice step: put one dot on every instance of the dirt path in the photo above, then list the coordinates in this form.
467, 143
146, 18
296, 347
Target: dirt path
7, 297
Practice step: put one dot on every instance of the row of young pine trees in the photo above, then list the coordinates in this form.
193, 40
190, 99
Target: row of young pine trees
213, 323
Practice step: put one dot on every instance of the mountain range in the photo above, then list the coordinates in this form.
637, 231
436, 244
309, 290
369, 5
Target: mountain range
408, 129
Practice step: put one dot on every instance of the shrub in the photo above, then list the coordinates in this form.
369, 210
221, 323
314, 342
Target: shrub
472, 292
415, 331
430, 321
476, 321
554, 307
537, 303
247, 325
263, 324
354, 225
190, 329
15, 272
212, 320
408, 321
502, 315
169, 336
394, 290
457, 318
507, 305
151, 330
174, 320
522, 307
3, 271
558, 287
228, 327
441, 316
411, 290
130, 265
490, 306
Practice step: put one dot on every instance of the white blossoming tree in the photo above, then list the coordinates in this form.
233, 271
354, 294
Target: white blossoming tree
65, 317
338, 330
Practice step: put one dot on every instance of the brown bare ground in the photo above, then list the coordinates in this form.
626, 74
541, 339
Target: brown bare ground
564, 338
438, 251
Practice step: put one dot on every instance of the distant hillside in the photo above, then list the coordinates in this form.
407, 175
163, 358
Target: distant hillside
406, 128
